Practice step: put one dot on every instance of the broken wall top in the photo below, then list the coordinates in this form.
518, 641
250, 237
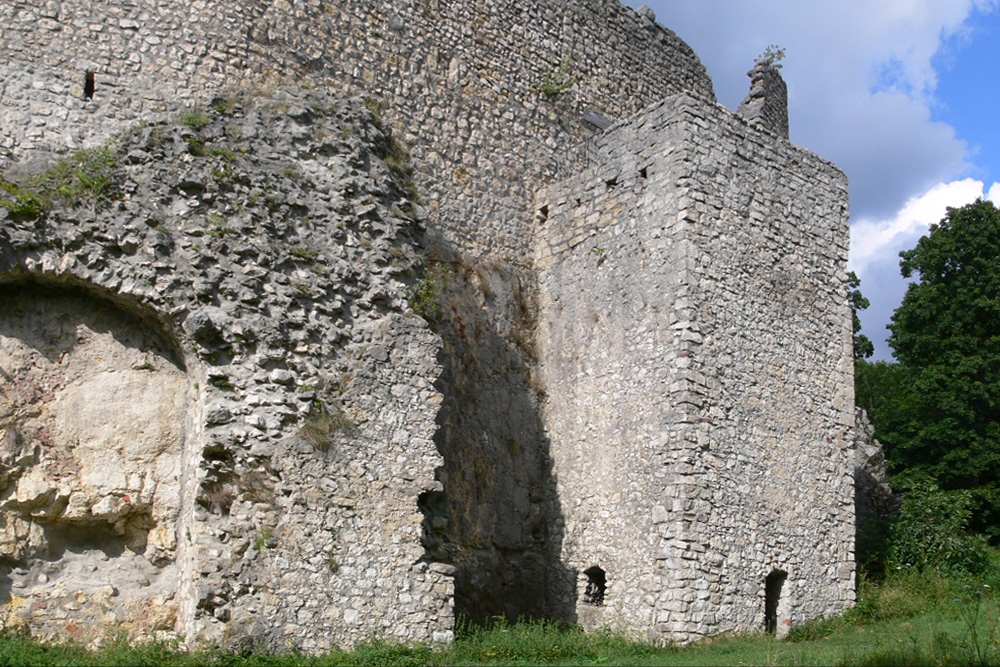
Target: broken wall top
486, 93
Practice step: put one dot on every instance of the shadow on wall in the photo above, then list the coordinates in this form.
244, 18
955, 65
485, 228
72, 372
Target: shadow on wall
874, 501
498, 520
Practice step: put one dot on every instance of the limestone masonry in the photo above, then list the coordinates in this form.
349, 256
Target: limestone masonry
330, 320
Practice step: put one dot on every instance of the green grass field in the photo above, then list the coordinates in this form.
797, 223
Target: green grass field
910, 618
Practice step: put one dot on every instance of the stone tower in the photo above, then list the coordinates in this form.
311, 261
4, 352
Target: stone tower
690, 407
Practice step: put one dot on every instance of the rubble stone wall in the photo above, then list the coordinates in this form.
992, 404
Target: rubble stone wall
274, 247
464, 83
484, 93
410, 392
609, 368
767, 104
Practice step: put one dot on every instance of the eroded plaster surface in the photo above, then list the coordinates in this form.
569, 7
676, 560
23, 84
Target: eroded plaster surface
92, 410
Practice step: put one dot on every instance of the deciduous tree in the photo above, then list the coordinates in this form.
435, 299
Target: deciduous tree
946, 333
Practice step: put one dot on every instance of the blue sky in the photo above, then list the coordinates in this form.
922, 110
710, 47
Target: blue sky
903, 95
969, 91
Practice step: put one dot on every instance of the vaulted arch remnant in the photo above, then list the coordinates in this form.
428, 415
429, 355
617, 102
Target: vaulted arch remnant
93, 404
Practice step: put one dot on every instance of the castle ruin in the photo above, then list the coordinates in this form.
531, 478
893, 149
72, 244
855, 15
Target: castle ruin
540, 328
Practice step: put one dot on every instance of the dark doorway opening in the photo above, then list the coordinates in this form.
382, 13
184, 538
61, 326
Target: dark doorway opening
772, 597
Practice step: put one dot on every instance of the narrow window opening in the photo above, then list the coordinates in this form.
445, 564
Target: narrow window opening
611, 182
88, 86
772, 597
576, 203
543, 214
643, 174
597, 586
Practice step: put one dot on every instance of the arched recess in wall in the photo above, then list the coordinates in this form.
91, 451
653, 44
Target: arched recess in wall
591, 598
94, 399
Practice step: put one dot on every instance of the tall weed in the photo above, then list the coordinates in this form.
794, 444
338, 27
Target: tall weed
902, 593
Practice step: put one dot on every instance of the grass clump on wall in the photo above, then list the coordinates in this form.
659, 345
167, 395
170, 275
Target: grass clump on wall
86, 175
321, 425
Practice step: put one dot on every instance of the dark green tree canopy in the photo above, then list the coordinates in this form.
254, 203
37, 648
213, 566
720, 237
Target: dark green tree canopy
954, 307
946, 333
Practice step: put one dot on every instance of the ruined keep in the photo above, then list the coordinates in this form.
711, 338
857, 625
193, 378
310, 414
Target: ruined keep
338, 319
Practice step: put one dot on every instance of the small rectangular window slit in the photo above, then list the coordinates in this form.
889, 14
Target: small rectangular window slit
597, 586
543, 214
88, 86
643, 174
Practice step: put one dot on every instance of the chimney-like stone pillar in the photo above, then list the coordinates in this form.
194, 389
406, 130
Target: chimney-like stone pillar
767, 103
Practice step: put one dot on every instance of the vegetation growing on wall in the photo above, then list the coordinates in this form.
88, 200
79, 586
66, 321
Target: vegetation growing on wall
21, 201
320, 426
85, 175
559, 77
772, 56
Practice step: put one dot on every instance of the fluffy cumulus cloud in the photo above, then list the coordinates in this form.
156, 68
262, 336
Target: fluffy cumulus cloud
880, 241
876, 244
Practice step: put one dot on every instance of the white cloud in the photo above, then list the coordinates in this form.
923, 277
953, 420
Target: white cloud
861, 82
876, 244
879, 241
994, 195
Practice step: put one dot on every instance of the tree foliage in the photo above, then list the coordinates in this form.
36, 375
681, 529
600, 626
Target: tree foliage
946, 336
880, 389
931, 529
863, 347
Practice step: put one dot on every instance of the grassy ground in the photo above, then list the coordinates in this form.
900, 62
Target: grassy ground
908, 619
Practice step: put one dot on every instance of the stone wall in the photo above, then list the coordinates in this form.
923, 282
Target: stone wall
274, 248
875, 504
348, 470
484, 93
699, 390
608, 368
767, 103
461, 82
496, 521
